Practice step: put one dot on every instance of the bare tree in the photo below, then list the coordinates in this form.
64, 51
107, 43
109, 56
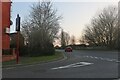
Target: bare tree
82, 40
73, 40
42, 26
65, 38
102, 30
63, 44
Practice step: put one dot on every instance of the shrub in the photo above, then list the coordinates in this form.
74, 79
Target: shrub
42, 51
6, 51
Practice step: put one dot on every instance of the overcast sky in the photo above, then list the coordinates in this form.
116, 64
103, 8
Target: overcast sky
76, 13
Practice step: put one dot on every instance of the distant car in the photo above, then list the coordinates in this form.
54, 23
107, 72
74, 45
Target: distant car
68, 49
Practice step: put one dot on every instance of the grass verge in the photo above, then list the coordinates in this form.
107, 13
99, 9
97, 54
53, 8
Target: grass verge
34, 60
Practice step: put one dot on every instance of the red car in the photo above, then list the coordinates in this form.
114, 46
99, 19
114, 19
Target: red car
68, 49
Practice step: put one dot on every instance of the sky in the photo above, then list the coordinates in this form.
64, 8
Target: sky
76, 13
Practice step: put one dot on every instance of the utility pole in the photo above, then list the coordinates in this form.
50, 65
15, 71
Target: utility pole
17, 38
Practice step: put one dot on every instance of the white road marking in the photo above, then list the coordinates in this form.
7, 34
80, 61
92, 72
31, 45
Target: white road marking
106, 59
114, 59
91, 57
73, 65
109, 60
117, 61
96, 57
85, 63
87, 56
101, 58
82, 65
10, 68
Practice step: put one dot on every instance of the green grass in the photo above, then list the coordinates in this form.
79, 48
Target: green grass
32, 60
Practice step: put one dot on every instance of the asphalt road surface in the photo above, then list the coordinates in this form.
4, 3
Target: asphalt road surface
76, 64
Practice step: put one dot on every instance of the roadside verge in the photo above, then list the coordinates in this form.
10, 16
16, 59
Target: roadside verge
35, 60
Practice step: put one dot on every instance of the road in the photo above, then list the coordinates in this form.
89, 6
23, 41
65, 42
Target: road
76, 64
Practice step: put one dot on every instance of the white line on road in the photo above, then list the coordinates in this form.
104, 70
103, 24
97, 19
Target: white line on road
91, 57
87, 56
114, 59
117, 61
96, 57
73, 65
101, 58
110, 60
82, 65
10, 68
106, 59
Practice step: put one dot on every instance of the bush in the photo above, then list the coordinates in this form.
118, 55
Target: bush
6, 51
42, 51
24, 51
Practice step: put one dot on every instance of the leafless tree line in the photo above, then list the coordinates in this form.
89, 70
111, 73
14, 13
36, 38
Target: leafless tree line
66, 39
103, 29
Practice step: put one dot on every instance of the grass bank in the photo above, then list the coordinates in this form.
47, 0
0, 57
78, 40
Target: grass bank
33, 60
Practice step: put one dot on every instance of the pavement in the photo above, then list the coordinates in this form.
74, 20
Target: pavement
76, 64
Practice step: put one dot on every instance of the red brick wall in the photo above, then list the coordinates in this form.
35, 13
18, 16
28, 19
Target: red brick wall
0, 25
9, 57
5, 6
5, 24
